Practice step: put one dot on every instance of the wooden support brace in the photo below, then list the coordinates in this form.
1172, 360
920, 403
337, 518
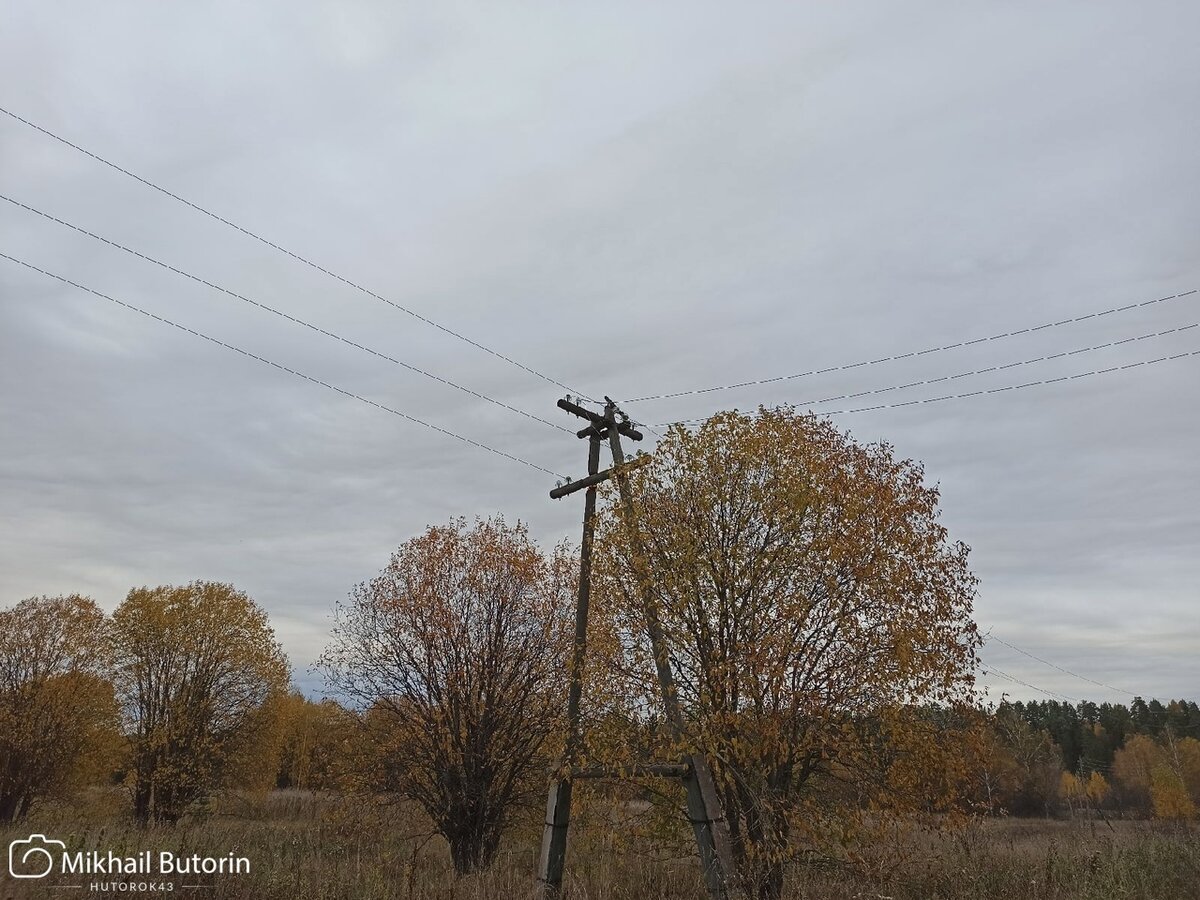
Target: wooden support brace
637, 770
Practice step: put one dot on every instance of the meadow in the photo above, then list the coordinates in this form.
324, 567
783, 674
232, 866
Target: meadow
306, 846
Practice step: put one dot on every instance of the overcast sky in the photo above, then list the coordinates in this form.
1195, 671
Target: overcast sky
632, 199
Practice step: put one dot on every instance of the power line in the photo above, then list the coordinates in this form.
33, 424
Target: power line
287, 252
1017, 387
992, 670
999, 390
992, 637
999, 368
913, 353
281, 367
281, 314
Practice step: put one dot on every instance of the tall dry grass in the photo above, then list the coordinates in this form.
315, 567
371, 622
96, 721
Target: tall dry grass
307, 847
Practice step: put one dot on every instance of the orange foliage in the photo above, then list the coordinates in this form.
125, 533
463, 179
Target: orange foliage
56, 705
200, 678
458, 650
812, 604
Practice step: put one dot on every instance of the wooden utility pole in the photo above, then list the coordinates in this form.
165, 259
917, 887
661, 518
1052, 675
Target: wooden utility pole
703, 804
558, 807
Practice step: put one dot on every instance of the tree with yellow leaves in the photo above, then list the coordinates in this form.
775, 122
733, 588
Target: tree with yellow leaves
1186, 752
317, 742
1169, 794
1097, 789
1083, 793
812, 603
1173, 781
56, 703
200, 678
1159, 778
1132, 766
455, 654
1072, 790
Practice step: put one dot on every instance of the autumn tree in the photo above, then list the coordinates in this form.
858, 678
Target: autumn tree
455, 653
198, 674
1036, 763
317, 740
1017, 766
1173, 782
810, 601
1160, 777
1170, 796
1133, 767
1097, 790
1185, 754
1072, 791
56, 703
998, 774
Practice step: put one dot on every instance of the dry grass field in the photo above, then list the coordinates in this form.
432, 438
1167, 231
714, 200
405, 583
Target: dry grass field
303, 847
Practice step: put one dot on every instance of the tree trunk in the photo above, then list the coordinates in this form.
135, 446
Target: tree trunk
143, 798
473, 846
10, 808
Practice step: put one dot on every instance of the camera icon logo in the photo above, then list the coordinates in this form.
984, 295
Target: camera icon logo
33, 857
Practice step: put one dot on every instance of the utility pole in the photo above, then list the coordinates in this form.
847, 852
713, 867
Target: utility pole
553, 857
703, 803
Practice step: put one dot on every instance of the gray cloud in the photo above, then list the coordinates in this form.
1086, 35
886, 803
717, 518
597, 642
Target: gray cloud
714, 197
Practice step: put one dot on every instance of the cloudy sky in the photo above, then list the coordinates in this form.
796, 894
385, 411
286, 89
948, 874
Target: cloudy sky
632, 200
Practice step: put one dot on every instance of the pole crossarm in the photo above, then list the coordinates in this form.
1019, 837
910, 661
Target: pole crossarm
600, 420
572, 486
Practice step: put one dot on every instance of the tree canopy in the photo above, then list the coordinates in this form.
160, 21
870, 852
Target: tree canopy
810, 600
198, 673
56, 705
456, 652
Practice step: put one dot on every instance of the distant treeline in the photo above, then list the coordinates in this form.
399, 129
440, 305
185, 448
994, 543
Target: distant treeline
1088, 735
1051, 758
